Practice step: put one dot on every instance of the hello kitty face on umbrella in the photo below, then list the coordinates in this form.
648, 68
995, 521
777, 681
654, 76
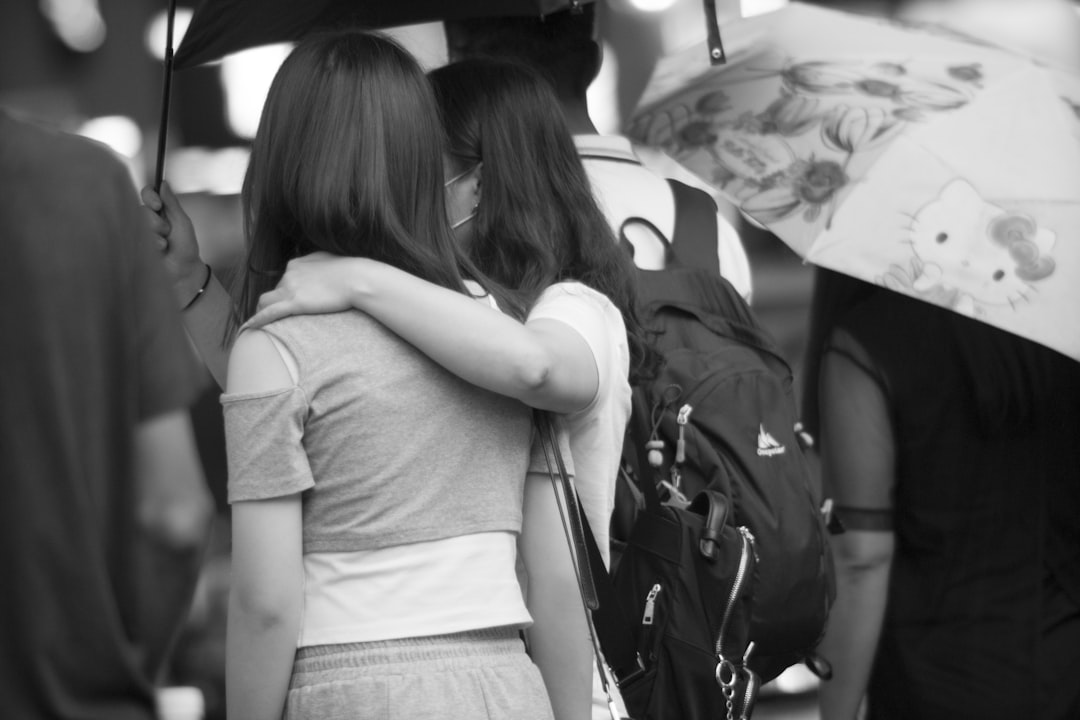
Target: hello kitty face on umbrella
975, 254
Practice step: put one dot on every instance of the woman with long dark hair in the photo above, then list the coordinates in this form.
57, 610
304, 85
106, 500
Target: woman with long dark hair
376, 498
949, 448
521, 203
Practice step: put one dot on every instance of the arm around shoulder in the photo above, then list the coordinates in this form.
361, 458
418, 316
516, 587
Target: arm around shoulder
543, 364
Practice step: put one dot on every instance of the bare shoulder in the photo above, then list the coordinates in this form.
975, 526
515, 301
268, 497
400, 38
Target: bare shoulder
256, 365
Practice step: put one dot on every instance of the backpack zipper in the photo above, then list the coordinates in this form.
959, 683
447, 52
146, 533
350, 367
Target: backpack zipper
682, 419
650, 605
727, 671
649, 631
736, 586
752, 685
675, 486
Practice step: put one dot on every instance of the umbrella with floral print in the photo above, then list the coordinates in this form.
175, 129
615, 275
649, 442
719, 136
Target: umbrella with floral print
913, 157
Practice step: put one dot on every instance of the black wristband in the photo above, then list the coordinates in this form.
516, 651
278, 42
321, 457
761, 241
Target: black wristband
201, 290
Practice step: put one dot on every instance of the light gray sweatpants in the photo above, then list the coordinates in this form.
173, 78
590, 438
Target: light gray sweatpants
476, 675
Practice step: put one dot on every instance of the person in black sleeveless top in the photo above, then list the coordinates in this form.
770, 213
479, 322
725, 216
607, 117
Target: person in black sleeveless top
950, 451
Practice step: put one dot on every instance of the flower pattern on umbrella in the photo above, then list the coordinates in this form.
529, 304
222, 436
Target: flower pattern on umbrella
771, 160
1074, 105
789, 115
905, 155
850, 129
968, 73
888, 81
810, 185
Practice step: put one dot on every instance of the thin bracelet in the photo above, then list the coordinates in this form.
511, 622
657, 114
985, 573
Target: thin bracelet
206, 283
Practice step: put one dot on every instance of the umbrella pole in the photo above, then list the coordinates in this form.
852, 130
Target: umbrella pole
163, 125
716, 47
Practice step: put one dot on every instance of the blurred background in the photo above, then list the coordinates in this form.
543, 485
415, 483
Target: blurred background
94, 67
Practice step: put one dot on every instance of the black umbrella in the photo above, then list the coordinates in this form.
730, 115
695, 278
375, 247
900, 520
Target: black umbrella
166, 92
220, 27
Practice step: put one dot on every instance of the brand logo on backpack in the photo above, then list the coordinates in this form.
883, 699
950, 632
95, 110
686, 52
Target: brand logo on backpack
767, 446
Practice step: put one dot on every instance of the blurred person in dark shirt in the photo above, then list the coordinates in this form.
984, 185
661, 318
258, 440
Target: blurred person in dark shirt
949, 449
105, 507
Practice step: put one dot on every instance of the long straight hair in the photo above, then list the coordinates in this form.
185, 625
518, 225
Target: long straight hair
537, 222
347, 159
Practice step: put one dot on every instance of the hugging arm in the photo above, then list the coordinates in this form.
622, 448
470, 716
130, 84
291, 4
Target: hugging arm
858, 456
543, 363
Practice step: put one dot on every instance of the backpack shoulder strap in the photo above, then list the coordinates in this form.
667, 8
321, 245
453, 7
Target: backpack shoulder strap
613, 630
694, 241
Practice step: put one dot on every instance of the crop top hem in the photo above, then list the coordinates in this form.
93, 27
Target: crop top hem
386, 540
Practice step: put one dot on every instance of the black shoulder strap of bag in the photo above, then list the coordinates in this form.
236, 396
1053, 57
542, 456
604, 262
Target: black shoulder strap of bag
693, 246
694, 242
612, 629
574, 518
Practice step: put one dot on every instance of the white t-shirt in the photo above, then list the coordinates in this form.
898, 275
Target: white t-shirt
596, 431
627, 184
621, 189
412, 590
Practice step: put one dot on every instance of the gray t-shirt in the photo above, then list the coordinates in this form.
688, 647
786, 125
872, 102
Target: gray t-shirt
387, 447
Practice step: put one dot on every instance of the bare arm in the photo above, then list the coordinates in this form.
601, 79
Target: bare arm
264, 607
206, 318
174, 512
851, 637
559, 637
267, 566
206, 322
858, 463
543, 363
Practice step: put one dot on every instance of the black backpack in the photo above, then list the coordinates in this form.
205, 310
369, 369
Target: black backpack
722, 575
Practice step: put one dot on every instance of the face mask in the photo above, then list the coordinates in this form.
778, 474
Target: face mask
448, 184
451, 181
462, 221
